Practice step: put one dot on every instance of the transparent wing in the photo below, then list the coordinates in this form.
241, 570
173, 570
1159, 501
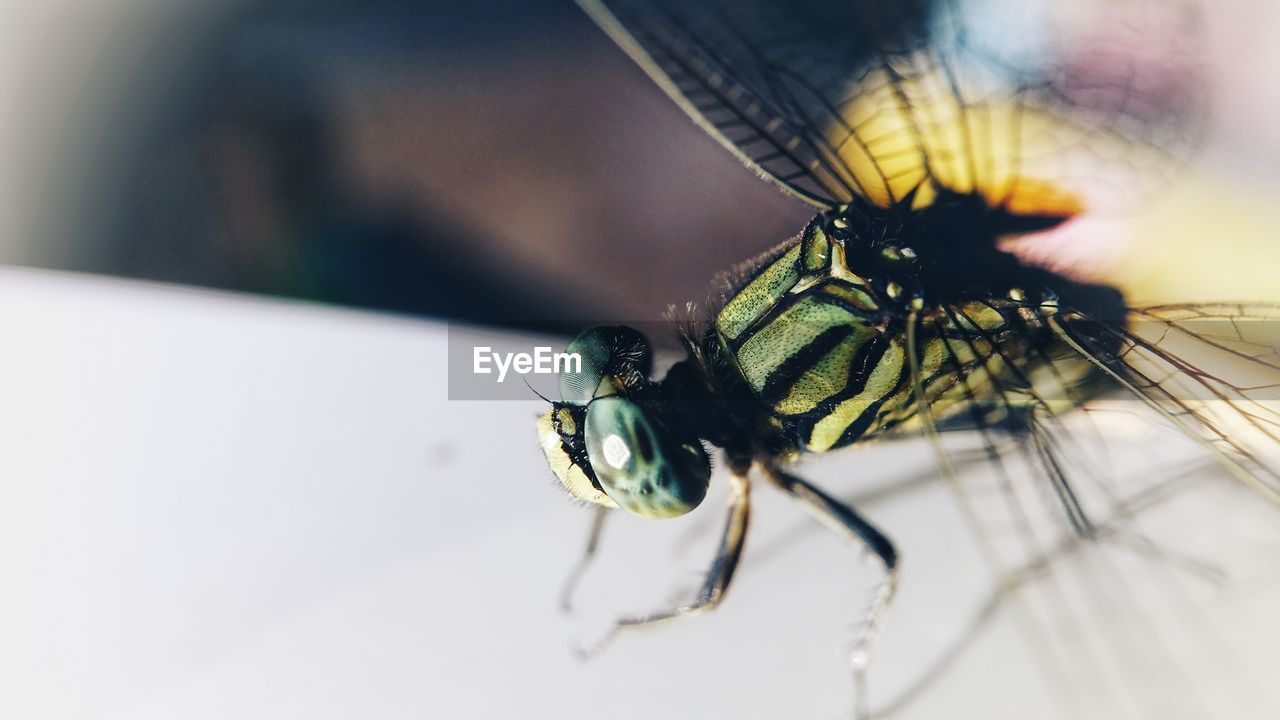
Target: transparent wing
1129, 571
1210, 370
1164, 610
1041, 107
767, 80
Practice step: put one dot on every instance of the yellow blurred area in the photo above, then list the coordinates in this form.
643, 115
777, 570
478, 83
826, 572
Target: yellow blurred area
1158, 232
992, 146
1208, 238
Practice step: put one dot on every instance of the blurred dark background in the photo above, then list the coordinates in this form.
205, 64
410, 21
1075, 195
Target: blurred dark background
492, 160
497, 160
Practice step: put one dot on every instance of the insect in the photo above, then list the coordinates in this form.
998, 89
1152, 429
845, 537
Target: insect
900, 308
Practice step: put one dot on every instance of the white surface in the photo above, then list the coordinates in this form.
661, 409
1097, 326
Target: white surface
215, 507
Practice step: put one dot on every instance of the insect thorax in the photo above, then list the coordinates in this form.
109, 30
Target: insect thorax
817, 331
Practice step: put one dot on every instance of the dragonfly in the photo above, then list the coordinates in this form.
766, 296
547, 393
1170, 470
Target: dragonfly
926, 136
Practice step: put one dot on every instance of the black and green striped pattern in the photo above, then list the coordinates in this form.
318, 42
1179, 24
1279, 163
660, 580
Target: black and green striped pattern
822, 352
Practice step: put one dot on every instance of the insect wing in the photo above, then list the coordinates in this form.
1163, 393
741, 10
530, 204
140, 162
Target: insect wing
1158, 615
765, 80
1133, 572
1113, 563
1042, 108
1210, 370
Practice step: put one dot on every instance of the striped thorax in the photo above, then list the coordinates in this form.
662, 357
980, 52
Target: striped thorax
820, 341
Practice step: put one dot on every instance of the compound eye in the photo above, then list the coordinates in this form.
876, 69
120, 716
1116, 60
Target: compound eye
640, 467
615, 358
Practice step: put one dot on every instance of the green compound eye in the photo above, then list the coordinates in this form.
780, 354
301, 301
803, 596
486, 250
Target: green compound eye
641, 468
614, 359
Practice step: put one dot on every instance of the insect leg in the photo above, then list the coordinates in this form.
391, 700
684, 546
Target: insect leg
584, 562
844, 519
718, 575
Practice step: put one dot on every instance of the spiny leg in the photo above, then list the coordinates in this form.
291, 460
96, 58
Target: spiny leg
588, 554
718, 575
844, 519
